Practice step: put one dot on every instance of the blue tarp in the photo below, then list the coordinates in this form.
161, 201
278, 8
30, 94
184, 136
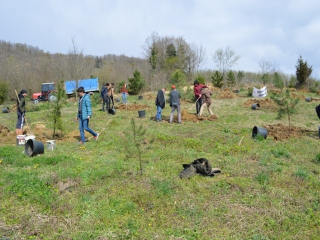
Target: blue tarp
89, 84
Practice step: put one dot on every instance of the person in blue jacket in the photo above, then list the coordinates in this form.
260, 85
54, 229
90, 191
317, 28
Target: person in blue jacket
84, 115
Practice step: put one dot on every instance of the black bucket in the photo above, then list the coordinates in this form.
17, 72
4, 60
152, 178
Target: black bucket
237, 91
142, 113
255, 106
140, 98
112, 111
259, 131
5, 110
33, 147
308, 99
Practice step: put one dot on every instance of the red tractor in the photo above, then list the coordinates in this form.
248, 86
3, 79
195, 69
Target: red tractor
46, 94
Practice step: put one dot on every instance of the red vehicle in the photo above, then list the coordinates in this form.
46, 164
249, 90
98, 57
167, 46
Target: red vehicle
46, 94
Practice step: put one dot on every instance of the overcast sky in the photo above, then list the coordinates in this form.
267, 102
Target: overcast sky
278, 31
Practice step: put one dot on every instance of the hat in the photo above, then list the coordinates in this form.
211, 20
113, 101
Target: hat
173, 87
23, 91
195, 82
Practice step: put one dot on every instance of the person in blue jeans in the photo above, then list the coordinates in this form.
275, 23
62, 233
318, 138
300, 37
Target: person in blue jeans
84, 115
160, 103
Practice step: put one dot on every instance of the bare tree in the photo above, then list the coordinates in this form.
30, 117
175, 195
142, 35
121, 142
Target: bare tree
225, 59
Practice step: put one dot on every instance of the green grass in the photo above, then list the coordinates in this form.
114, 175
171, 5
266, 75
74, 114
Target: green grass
267, 189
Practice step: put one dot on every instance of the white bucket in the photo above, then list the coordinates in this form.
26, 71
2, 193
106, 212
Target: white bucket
21, 140
51, 145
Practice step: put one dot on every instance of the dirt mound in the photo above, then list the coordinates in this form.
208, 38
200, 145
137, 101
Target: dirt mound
132, 107
149, 96
281, 132
264, 103
189, 117
4, 131
301, 97
226, 93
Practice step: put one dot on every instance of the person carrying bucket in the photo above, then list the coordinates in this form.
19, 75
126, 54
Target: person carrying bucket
206, 100
197, 94
84, 115
21, 111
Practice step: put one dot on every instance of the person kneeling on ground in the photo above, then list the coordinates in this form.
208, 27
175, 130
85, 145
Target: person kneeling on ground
84, 115
206, 100
175, 103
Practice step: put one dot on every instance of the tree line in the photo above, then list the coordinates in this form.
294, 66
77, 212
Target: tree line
166, 60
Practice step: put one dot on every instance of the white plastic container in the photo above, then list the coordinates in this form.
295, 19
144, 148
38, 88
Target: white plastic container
21, 140
51, 145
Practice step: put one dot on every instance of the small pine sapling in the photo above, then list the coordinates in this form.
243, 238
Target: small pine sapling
284, 100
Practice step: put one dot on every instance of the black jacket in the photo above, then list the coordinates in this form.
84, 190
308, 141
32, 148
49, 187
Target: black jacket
160, 101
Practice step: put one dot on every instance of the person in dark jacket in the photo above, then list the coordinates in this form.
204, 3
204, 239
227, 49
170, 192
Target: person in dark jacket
175, 103
84, 115
197, 94
160, 103
104, 100
21, 111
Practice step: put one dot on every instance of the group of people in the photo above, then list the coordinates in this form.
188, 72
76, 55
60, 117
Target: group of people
107, 95
202, 94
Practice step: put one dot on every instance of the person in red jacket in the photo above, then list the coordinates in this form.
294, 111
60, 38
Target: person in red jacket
197, 94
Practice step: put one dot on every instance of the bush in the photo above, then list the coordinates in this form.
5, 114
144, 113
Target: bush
217, 79
200, 79
178, 78
4, 91
136, 83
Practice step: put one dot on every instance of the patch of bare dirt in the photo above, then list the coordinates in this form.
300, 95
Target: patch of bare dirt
281, 132
227, 93
301, 97
4, 131
264, 103
190, 117
149, 96
132, 107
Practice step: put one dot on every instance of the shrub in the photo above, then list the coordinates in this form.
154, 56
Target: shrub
4, 91
136, 83
200, 79
178, 78
217, 79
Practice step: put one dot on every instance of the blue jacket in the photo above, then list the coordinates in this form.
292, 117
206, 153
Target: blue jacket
85, 107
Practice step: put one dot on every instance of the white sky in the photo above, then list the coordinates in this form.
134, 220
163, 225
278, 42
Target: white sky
275, 30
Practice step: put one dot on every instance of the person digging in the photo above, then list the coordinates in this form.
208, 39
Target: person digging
206, 101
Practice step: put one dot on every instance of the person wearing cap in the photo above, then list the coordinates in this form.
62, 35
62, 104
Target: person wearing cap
175, 103
124, 93
21, 111
160, 103
206, 100
197, 94
84, 115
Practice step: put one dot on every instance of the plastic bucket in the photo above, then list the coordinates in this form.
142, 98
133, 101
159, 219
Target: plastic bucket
112, 111
308, 99
117, 99
33, 147
5, 110
51, 145
237, 91
142, 113
21, 140
259, 131
255, 106
140, 97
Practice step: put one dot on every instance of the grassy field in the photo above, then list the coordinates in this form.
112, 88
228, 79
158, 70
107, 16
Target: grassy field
268, 189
